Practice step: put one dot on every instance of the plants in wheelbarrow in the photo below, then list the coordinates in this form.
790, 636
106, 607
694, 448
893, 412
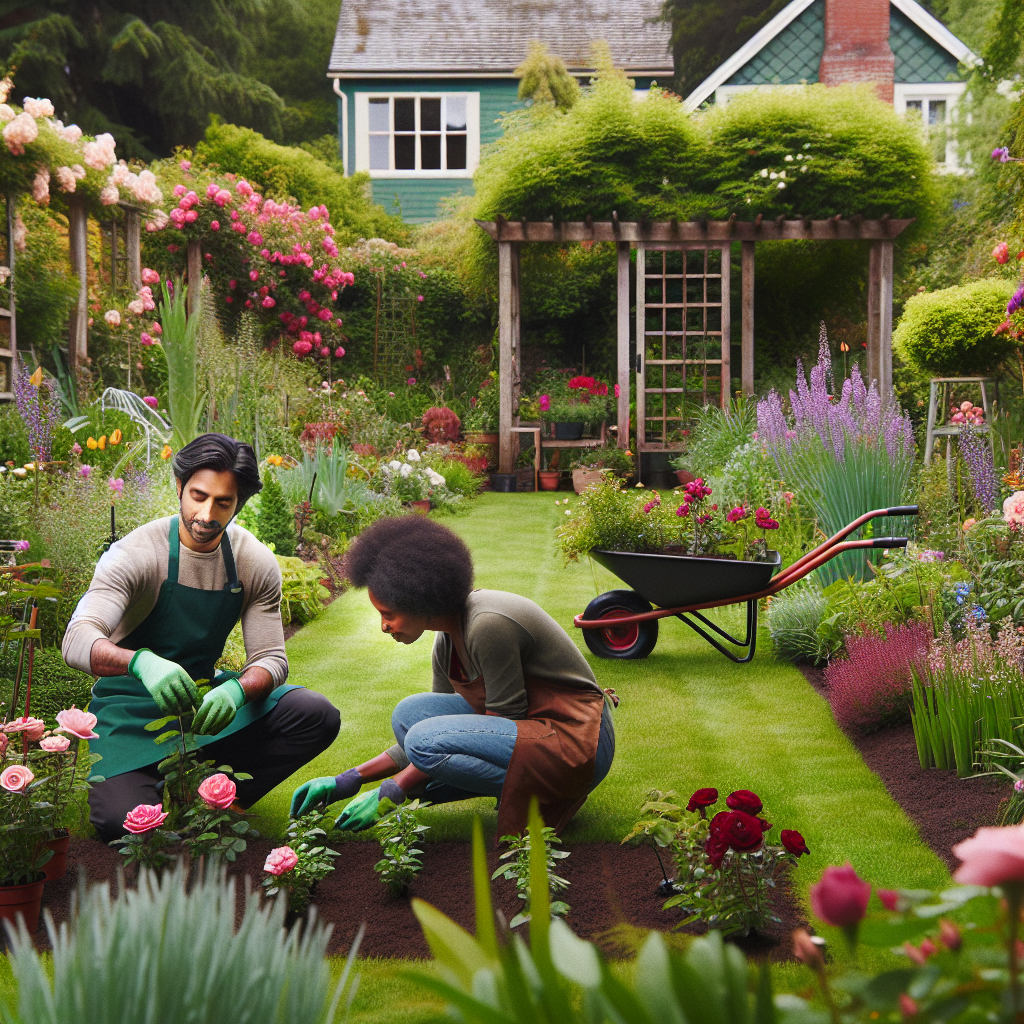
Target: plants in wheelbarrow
725, 868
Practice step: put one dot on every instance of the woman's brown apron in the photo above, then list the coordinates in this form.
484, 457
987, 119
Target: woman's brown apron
556, 745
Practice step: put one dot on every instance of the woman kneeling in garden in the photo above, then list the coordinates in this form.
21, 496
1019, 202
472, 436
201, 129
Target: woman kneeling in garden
515, 710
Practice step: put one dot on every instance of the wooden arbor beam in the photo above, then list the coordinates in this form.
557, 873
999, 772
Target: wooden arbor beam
831, 230
508, 351
78, 332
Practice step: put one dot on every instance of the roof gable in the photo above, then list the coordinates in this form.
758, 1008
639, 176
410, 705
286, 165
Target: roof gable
378, 37
788, 49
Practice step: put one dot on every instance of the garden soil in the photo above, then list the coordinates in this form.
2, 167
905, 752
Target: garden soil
945, 809
612, 895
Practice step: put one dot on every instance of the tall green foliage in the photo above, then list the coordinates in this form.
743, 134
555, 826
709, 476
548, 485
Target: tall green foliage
186, 404
276, 522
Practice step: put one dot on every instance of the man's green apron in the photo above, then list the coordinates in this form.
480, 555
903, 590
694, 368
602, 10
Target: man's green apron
189, 627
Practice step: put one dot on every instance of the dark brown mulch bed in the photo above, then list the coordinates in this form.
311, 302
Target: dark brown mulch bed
945, 809
611, 886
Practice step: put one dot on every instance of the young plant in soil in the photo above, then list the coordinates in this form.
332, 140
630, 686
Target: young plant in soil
518, 870
659, 828
398, 834
309, 858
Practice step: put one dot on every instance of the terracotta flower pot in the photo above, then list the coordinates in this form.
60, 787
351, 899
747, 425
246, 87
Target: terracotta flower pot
583, 478
487, 438
57, 866
24, 900
549, 479
422, 507
684, 476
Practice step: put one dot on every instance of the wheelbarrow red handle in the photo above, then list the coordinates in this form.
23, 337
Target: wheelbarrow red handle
810, 562
791, 570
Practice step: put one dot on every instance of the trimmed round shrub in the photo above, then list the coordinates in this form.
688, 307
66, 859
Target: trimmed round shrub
948, 333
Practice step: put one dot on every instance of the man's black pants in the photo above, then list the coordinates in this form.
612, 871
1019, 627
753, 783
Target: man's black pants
302, 725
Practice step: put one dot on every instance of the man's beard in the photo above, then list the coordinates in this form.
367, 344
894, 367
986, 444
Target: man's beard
206, 530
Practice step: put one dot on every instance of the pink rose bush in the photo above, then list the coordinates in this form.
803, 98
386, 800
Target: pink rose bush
79, 724
33, 728
16, 778
218, 791
283, 859
54, 744
145, 818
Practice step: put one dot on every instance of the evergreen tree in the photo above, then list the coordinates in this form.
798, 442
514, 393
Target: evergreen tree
276, 520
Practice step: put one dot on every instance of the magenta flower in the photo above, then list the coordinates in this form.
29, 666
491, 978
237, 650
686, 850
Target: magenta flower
544, 403
411, 381
339, 352
419, 298
84, 472
22, 545
186, 165
215, 225
117, 486
763, 520
683, 510
738, 513
1002, 154
152, 401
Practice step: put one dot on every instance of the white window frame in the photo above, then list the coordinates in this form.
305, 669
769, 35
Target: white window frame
362, 125
923, 92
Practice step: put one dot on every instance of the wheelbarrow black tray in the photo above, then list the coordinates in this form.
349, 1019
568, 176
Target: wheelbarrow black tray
671, 581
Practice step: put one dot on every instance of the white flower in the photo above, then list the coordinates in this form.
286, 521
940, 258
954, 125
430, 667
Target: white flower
394, 465
781, 184
789, 158
136, 306
38, 108
113, 317
6, 113
803, 170
568, 511
66, 179
406, 470
764, 172
20, 472
19, 132
782, 174
5, 89
799, 156
100, 154
412, 455
434, 477
773, 175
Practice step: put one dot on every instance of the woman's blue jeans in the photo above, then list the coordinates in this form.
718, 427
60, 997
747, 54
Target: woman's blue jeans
466, 754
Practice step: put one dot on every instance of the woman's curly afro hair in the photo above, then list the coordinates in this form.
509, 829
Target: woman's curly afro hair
413, 565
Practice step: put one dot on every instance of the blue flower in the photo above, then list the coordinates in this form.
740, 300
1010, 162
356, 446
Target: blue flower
961, 590
978, 613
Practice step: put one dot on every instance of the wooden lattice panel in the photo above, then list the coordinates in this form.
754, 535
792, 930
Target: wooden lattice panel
682, 338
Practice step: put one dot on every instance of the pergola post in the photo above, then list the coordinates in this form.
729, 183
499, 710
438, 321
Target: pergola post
194, 272
508, 348
622, 330
747, 316
78, 331
133, 246
880, 275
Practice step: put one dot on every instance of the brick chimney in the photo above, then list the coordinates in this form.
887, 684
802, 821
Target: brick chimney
857, 45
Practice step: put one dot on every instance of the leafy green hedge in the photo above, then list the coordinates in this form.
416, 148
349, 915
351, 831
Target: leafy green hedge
949, 332
288, 171
811, 151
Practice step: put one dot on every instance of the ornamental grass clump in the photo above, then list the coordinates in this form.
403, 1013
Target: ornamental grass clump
169, 951
847, 453
871, 687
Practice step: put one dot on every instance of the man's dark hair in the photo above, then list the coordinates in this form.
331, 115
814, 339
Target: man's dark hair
219, 453
413, 565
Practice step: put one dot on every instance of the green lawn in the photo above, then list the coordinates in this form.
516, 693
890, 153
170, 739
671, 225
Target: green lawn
688, 718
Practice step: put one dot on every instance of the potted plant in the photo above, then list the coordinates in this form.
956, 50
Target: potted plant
679, 464
480, 424
569, 407
592, 466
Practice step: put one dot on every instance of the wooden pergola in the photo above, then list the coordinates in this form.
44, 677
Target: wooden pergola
687, 239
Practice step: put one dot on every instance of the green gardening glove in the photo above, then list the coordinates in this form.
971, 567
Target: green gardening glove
218, 709
312, 794
170, 686
361, 813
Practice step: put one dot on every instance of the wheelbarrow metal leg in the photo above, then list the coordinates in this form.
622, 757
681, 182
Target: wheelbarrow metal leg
749, 641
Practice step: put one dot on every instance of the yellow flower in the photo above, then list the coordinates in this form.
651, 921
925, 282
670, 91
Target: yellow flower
102, 443
166, 452
275, 460
968, 523
115, 437
91, 443
30, 466
37, 378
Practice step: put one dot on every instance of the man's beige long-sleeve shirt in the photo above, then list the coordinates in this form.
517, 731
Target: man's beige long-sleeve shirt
127, 580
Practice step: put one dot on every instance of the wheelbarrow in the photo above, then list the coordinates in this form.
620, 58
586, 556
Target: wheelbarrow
624, 623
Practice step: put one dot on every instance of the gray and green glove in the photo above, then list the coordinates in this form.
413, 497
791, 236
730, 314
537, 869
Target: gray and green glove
364, 811
170, 686
325, 790
219, 707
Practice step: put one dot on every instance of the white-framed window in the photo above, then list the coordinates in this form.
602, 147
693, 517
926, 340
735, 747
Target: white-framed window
419, 135
932, 106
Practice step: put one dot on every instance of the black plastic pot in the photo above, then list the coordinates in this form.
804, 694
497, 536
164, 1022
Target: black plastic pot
505, 483
568, 431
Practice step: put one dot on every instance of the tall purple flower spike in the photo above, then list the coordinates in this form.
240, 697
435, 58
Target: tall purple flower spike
40, 409
978, 457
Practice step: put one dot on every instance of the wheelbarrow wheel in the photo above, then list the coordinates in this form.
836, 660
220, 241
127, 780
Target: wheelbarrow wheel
632, 640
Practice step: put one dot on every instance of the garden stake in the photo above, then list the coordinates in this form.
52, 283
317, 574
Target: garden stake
668, 887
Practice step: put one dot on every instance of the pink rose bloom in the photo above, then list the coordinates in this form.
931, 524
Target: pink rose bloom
16, 778
1001, 253
215, 225
113, 317
180, 190
191, 217
152, 401
411, 381
33, 728
186, 165
76, 449
991, 856
54, 744
150, 277
841, 898
77, 723
218, 791
268, 303
339, 352
146, 339
325, 351
419, 298
283, 859
3, 743
145, 818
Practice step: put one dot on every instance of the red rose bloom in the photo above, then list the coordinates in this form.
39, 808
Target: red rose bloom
794, 842
715, 848
702, 798
744, 800
742, 831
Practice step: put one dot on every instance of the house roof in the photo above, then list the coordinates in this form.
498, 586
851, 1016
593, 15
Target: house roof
491, 37
788, 49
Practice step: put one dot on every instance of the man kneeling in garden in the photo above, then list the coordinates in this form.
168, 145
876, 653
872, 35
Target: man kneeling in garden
155, 619
515, 710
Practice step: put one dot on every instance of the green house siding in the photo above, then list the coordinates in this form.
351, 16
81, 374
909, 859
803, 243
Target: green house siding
918, 57
794, 54
419, 199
